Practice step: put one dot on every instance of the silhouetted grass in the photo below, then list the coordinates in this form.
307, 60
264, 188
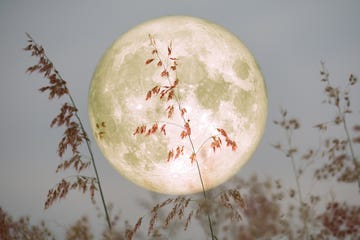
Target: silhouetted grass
254, 208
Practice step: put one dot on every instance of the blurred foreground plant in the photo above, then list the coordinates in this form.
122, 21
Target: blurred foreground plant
11, 229
337, 159
342, 161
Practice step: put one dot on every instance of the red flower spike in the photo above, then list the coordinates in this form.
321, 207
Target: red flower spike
171, 95
155, 90
162, 129
233, 145
183, 134
165, 73
193, 157
175, 83
186, 132
216, 143
179, 151
170, 48
136, 131
152, 130
140, 130
187, 128
170, 110
223, 132
170, 155
183, 111
149, 60
229, 142
162, 93
148, 95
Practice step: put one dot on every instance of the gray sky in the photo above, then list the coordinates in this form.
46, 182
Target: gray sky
288, 40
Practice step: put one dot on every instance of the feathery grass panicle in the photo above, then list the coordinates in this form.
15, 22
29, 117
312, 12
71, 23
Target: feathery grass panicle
81, 183
339, 151
178, 207
168, 92
232, 200
130, 232
74, 134
163, 215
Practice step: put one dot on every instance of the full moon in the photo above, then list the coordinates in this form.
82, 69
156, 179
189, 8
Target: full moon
176, 104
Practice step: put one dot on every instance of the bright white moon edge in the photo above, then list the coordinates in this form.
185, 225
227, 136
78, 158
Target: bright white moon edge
221, 86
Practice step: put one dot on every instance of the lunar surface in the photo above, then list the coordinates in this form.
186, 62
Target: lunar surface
219, 85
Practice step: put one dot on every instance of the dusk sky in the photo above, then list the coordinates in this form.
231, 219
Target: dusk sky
288, 40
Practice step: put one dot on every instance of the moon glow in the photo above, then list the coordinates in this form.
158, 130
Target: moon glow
220, 86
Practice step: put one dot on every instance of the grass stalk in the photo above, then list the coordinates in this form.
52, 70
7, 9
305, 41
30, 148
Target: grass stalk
297, 181
178, 102
88, 145
46, 69
353, 158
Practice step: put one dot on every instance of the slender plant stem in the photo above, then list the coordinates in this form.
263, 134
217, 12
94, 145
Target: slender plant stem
85, 136
344, 123
353, 158
205, 197
178, 102
93, 163
298, 188
213, 237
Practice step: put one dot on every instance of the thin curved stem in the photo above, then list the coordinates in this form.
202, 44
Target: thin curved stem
93, 163
85, 137
342, 114
353, 158
177, 99
297, 181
